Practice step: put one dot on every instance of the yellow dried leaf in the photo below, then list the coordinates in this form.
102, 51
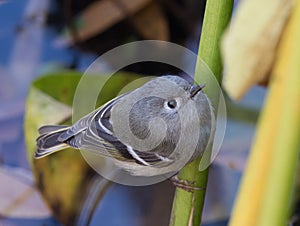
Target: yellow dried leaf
151, 22
249, 45
101, 15
41, 110
265, 193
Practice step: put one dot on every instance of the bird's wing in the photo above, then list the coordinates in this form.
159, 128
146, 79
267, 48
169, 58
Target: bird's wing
94, 133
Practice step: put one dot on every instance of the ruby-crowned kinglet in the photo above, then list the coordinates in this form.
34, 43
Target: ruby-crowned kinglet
164, 121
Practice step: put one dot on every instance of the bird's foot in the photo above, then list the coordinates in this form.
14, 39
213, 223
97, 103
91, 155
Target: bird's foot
184, 184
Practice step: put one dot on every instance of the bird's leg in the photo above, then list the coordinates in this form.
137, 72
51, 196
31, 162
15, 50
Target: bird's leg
185, 185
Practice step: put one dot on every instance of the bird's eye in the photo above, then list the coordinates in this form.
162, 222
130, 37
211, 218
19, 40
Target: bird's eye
172, 104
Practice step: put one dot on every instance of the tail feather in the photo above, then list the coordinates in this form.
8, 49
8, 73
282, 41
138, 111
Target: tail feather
47, 142
51, 128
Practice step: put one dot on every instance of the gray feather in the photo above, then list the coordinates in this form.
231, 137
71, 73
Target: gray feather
97, 131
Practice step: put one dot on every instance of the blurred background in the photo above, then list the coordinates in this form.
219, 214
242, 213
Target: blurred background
43, 37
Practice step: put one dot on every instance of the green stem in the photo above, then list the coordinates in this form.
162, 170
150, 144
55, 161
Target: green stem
188, 206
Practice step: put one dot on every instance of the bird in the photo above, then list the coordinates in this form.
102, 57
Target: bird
152, 130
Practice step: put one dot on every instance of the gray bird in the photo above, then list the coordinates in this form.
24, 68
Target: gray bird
154, 129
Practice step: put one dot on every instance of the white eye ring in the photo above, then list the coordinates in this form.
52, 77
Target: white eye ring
171, 104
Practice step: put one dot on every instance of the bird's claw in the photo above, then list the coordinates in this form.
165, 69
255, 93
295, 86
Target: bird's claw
184, 184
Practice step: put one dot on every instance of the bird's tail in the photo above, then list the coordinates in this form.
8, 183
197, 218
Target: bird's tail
48, 142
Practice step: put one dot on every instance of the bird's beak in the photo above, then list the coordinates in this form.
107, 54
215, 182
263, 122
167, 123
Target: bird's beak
196, 89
